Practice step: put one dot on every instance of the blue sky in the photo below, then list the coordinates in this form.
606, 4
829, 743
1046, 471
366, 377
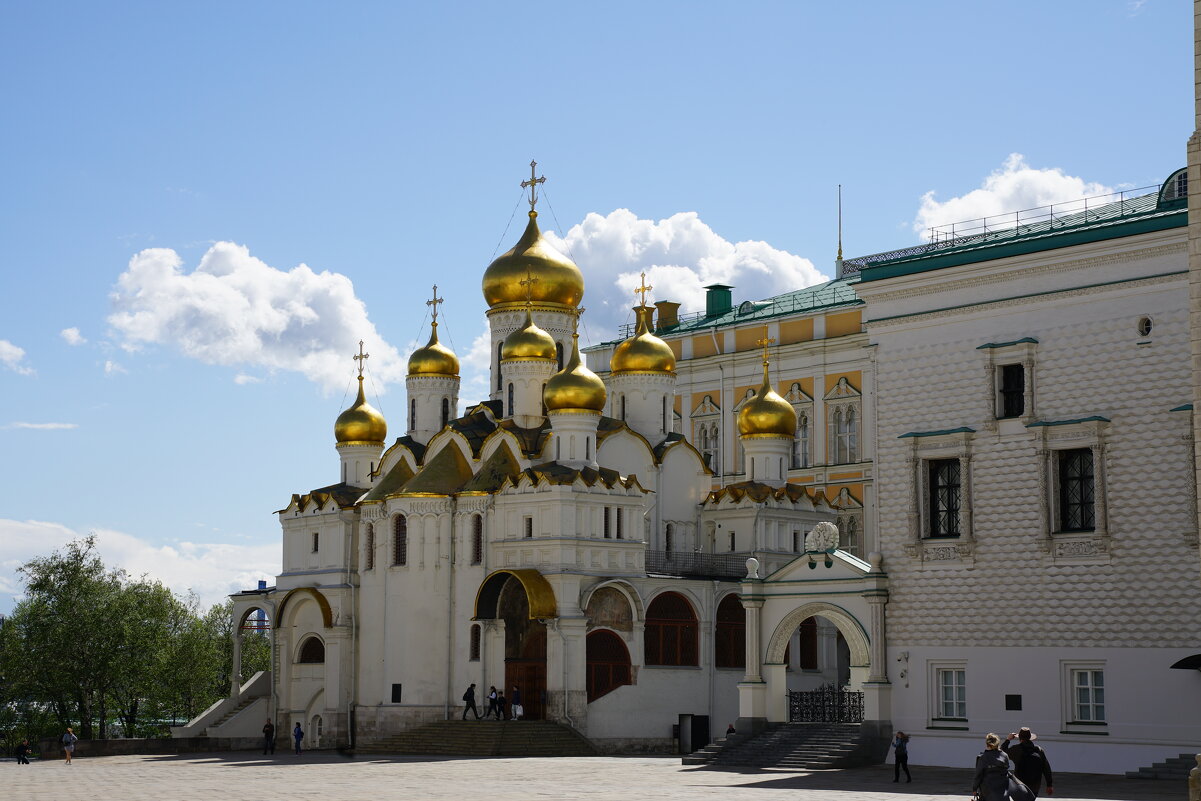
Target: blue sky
381, 145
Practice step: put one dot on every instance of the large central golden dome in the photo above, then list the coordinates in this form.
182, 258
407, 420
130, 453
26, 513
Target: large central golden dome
644, 352
558, 281
362, 422
575, 386
434, 358
767, 414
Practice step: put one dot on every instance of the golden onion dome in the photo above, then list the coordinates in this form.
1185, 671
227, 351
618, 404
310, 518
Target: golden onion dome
434, 358
644, 352
767, 414
575, 386
557, 280
361, 422
528, 342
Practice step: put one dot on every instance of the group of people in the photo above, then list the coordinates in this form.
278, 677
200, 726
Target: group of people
1005, 770
503, 708
269, 737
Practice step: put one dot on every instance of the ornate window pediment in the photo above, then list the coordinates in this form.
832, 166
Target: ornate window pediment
706, 407
843, 390
940, 496
1072, 486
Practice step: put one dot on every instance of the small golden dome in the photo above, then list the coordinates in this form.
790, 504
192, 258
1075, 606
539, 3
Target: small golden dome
361, 422
528, 342
558, 281
767, 414
644, 352
435, 358
575, 386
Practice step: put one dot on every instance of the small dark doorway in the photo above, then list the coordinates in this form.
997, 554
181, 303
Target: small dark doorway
525, 649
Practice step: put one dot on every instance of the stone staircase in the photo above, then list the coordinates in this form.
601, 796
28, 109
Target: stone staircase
793, 746
229, 715
1175, 768
509, 738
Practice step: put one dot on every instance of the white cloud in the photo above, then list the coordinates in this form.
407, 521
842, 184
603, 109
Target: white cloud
475, 366
72, 336
43, 426
1014, 186
680, 255
113, 368
241, 379
11, 357
234, 309
211, 570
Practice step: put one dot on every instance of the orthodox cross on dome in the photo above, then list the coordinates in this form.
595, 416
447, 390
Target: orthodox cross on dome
575, 321
436, 300
643, 289
528, 282
765, 343
532, 184
361, 358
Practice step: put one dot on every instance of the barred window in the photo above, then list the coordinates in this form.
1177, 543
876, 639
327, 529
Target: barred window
475, 643
400, 540
1012, 390
944, 497
477, 539
671, 631
369, 560
1076, 490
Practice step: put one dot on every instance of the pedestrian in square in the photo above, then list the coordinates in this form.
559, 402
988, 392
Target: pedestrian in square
469, 703
515, 703
298, 735
269, 738
69, 740
900, 752
1030, 763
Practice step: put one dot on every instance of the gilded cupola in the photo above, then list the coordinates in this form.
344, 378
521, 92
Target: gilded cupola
575, 386
361, 422
528, 342
644, 352
434, 358
559, 280
767, 414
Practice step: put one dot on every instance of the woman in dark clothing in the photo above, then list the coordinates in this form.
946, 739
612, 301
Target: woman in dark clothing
992, 772
900, 748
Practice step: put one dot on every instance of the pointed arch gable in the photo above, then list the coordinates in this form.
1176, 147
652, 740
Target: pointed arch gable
846, 623
327, 613
501, 438
538, 591
447, 437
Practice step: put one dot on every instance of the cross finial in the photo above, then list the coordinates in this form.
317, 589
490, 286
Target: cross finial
532, 184
528, 282
575, 321
765, 343
643, 289
434, 302
361, 358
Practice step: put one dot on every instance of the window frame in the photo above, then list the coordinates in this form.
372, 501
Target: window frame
943, 524
400, 540
1073, 723
684, 639
937, 702
1083, 546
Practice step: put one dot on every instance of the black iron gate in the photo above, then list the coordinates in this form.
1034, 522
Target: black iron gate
827, 704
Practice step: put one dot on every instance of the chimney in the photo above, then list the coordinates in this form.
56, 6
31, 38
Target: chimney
718, 300
668, 316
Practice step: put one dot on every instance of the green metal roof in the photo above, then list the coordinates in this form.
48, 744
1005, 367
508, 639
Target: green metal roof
939, 433
1126, 217
1096, 418
1022, 341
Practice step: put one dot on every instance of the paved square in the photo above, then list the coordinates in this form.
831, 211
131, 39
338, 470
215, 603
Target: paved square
219, 777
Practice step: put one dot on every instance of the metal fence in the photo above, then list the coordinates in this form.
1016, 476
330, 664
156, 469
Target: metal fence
827, 704
696, 565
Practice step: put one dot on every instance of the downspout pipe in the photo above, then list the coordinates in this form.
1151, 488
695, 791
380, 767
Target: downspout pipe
721, 428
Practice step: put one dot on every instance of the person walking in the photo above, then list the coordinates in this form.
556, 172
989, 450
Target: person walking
23, 751
298, 735
502, 706
491, 710
69, 740
515, 701
269, 738
1030, 763
991, 782
900, 752
469, 703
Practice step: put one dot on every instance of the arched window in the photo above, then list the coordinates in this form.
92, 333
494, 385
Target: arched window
837, 442
312, 652
413, 415
445, 411
608, 663
477, 539
400, 540
800, 448
623, 407
510, 414
369, 557
729, 643
671, 631
475, 643
852, 435
668, 535
559, 355
499, 380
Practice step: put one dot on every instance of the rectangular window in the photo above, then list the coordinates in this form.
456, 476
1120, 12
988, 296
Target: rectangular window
396, 693
370, 561
608, 534
316, 542
619, 516
1076, 490
474, 653
731, 540
944, 498
1088, 701
1011, 388
477, 539
529, 527
952, 693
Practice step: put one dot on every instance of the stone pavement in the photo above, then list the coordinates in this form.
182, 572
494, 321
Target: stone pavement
331, 777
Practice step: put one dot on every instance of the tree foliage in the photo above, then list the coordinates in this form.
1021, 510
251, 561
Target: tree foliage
91, 647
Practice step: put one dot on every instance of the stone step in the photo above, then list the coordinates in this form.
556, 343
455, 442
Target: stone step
485, 738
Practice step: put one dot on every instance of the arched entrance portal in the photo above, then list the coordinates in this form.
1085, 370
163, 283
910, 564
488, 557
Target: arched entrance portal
524, 601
